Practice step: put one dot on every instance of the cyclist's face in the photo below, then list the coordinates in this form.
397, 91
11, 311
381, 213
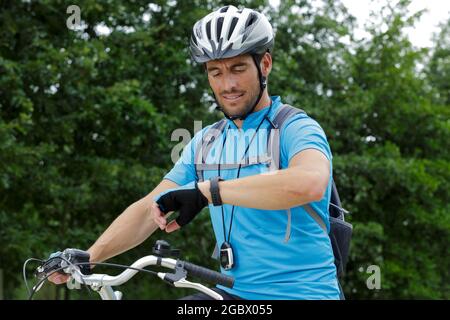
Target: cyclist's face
234, 82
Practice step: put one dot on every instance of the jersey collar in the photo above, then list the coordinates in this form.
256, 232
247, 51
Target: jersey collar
254, 118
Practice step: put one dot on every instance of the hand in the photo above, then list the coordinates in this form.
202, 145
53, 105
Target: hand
188, 200
58, 278
52, 267
161, 219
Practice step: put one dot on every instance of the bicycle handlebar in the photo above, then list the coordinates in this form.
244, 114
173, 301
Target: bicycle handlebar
103, 283
209, 275
193, 269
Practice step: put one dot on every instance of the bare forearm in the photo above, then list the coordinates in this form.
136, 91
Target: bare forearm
281, 189
129, 229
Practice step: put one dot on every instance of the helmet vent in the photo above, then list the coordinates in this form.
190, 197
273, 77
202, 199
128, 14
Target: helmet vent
224, 9
219, 28
251, 19
232, 26
208, 30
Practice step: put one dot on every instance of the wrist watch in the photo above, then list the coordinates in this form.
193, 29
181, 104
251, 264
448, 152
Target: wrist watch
214, 190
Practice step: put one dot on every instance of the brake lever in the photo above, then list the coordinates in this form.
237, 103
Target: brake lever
183, 283
178, 280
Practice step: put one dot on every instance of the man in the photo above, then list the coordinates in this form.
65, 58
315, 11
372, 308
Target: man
268, 242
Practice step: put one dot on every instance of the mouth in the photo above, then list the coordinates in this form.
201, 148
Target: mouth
232, 97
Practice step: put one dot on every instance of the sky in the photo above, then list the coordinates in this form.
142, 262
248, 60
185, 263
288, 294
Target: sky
437, 11
420, 36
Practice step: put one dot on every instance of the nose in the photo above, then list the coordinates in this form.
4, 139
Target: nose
229, 83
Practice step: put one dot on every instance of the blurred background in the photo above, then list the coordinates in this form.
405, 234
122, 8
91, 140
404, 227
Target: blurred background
86, 116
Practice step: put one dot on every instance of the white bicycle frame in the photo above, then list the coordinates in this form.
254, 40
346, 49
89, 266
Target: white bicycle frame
103, 283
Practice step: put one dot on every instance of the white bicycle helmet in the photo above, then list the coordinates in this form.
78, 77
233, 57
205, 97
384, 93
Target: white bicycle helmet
229, 32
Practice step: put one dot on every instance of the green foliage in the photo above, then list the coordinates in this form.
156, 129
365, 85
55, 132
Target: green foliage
86, 120
439, 66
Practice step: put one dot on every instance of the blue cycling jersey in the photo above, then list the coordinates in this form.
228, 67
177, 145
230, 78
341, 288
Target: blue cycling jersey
274, 258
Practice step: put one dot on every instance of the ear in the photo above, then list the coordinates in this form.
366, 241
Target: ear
266, 64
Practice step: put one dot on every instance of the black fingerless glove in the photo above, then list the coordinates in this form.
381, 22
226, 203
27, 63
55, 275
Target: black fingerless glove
188, 200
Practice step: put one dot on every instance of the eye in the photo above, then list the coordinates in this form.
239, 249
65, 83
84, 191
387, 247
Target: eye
239, 70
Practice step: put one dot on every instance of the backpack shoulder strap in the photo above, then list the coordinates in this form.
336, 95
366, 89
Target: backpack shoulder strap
313, 214
286, 111
205, 145
273, 141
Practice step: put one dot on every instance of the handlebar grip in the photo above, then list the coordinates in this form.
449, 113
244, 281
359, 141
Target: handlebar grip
209, 275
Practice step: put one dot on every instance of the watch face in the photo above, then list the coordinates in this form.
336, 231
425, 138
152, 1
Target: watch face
226, 256
223, 258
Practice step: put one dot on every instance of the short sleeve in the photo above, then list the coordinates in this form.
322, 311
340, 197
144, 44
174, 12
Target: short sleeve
301, 133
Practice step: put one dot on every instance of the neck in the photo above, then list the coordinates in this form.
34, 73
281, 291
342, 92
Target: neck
263, 102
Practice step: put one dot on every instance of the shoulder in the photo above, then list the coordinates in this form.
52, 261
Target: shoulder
301, 132
299, 122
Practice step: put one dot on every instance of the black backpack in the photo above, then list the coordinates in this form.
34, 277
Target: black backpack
340, 230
